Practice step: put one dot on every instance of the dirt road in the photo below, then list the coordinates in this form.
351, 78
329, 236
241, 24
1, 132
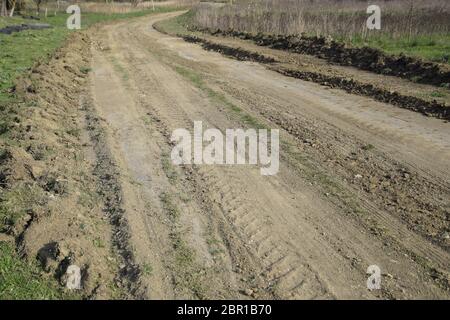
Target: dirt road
360, 183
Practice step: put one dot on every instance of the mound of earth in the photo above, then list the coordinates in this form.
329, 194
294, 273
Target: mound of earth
365, 58
24, 26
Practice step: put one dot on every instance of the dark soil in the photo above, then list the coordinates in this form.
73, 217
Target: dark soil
238, 53
364, 58
432, 109
22, 27
428, 108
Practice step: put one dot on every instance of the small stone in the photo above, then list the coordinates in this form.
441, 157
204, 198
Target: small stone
64, 252
248, 292
358, 176
73, 277
36, 171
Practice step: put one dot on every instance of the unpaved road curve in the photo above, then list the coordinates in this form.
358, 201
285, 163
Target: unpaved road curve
228, 232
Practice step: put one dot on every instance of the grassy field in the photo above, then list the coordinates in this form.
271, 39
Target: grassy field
433, 48
20, 279
19, 51
417, 28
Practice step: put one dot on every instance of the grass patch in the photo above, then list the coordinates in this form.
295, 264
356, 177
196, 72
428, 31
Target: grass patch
120, 69
368, 147
85, 70
98, 243
22, 280
147, 269
169, 206
198, 81
17, 202
187, 274
177, 25
168, 169
433, 48
20, 50
214, 246
184, 257
416, 29
437, 94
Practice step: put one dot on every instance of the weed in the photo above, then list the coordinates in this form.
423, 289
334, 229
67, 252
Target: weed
197, 80
169, 206
74, 132
168, 169
368, 147
147, 269
85, 70
4, 127
98, 243
437, 94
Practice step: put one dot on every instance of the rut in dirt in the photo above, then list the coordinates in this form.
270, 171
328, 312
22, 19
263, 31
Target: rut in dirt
228, 232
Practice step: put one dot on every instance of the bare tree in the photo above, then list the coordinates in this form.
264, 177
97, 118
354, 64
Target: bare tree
135, 3
3, 8
38, 5
12, 5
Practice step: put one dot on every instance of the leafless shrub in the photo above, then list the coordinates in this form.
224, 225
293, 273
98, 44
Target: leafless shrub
343, 18
110, 6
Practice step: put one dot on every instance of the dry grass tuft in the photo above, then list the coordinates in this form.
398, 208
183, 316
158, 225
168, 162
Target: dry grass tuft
343, 19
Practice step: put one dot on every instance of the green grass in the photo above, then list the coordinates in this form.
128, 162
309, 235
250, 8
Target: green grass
168, 169
20, 50
169, 206
22, 280
197, 80
433, 48
438, 94
15, 203
18, 53
186, 271
177, 25
120, 69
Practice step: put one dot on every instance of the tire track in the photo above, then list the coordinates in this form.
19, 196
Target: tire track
282, 238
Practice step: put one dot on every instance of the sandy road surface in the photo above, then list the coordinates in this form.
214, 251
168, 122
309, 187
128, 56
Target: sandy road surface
312, 230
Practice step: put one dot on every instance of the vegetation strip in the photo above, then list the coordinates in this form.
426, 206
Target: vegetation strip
432, 109
364, 58
27, 108
240, 54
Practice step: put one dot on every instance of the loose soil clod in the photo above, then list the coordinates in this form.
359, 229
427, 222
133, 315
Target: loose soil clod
364, 58
428, 108
22, 27
238, 53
